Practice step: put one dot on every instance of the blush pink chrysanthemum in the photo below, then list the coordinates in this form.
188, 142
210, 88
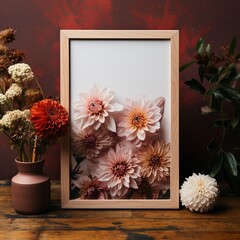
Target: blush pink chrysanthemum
139, 117
90, 143
96, 107
91, 188
119, 170
155, 161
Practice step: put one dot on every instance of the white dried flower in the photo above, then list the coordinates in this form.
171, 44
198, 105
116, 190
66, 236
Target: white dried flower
26, 113
205, 110
14, 91
1, 127
198, 193
21, 72
2, 99
12, 117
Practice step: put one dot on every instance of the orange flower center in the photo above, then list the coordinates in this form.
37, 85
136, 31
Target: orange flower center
119, 169
155, 161
52, 114
90, 141
139, 120
95, 106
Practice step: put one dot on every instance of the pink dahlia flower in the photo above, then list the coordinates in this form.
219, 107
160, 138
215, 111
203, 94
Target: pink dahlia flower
119, 170
139, 117
96, 107
155, 161
86, 167
89, 142
91, 188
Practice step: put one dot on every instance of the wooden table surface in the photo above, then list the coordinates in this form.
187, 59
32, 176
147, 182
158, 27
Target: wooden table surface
222, 223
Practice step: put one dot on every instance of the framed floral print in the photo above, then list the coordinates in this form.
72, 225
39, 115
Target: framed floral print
121, 89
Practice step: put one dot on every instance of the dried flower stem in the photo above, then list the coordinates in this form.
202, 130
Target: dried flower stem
22, 155
34, 149
39, 86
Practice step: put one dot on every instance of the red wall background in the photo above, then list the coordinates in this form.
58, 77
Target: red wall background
38, 24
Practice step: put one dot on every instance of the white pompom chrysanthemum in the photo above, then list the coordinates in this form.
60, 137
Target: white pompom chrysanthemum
198, 193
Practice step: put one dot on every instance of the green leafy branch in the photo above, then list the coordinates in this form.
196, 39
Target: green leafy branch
217, 82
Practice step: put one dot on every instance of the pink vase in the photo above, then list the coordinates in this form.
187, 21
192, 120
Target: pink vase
30, 188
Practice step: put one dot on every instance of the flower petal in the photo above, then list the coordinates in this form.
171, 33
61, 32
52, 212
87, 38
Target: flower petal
141, 134
110, 124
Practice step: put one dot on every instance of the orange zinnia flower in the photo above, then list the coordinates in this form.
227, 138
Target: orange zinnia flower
49, 118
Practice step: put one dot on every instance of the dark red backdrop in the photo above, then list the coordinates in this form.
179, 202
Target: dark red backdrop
38, 24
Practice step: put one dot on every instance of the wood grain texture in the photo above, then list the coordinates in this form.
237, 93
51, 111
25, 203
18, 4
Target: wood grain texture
119, 34
223, 223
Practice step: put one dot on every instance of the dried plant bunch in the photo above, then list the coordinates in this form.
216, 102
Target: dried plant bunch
30, 121
8, 56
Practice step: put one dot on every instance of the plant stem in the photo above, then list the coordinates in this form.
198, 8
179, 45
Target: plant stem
34, 149
39, 86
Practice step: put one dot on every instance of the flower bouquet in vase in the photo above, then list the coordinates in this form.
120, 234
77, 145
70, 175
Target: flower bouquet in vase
31, 122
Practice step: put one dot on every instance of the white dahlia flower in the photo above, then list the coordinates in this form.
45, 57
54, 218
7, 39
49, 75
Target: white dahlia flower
198, 193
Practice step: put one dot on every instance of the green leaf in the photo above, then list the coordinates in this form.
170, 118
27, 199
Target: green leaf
233, 124
201, 49
230, 163
216, 93
208, 49
216, 165
212, 70
233, 181
196, 85
214, 78
237, 76
227, 74
229, 93
212, 146
199, 43
233, 45
216, 101
183, 67
220, 123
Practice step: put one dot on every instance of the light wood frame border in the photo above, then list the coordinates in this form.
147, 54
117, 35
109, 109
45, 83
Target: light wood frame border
173, 37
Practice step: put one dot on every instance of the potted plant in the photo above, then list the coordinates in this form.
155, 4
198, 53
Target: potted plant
217, 83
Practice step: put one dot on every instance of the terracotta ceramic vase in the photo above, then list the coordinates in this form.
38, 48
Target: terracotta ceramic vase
30, 188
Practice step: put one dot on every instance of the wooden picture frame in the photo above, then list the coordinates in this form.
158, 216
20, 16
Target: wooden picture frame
134, 64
